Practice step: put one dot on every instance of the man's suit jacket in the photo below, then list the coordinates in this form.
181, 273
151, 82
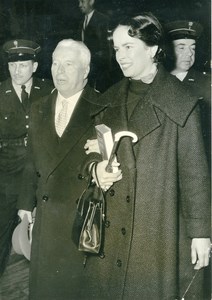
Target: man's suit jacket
95, 37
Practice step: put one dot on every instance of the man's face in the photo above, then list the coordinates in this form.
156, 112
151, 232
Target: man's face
184, 50
21, 71
68, 72
86, 6
132, 54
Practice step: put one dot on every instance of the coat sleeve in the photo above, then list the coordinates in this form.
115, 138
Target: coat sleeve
27, 195
194, 177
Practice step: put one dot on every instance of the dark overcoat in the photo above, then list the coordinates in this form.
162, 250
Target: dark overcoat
160, 204
53, 173
14, 123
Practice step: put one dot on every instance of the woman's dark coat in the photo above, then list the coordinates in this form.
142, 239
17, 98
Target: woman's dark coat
152, 213
161, 203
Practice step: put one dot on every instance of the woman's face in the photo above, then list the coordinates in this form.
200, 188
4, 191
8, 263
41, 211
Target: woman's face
133, 55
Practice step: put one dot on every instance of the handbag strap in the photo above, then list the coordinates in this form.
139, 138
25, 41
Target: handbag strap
103, 195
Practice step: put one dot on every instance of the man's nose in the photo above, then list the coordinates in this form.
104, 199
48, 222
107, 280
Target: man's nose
60, 69
17, 68
189, 51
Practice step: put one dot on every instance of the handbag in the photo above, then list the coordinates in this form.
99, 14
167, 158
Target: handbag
87, 231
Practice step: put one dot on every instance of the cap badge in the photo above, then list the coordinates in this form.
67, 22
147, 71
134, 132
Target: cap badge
15, 44
190, 24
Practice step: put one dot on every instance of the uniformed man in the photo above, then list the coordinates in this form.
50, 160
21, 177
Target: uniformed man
16, 95
183, 37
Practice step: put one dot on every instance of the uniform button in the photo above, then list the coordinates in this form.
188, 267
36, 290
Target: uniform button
112, 192
107, 224
45, 198
119, 263
27, 117
5, 118
80, 177
27, 126
38, 174
123, 231
128, 199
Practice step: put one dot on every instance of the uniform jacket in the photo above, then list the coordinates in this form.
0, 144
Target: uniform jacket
14, 120
200, 86
56, 178
161, 202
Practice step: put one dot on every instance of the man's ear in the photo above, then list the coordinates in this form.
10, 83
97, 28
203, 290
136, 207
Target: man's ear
91, 2
87, 70
35, 65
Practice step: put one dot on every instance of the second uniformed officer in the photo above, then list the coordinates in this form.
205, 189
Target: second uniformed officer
183, 37
16, 95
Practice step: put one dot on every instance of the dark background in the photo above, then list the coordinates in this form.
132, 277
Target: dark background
49, 21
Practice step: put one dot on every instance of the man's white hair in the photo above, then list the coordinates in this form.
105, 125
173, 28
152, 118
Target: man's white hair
84, 52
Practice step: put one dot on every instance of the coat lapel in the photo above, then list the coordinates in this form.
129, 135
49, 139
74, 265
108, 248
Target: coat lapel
48, 134
143, 119
79, 123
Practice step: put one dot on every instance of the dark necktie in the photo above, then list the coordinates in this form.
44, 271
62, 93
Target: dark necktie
84, 27
24, 97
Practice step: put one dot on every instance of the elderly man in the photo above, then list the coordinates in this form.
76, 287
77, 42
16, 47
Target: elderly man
16, 95
60, 125
183, 37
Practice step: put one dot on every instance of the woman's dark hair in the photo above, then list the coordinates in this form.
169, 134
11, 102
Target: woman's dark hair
148, 29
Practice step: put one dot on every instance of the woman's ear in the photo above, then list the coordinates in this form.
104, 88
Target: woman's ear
153, 50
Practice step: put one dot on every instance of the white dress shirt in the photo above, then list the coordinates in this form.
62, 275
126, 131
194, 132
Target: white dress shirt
72, 101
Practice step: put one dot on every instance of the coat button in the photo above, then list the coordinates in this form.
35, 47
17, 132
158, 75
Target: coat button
128, 199
45, 198
107, 224
123, 231
38, 174
80, 177
119, 263
102, 255
112, 192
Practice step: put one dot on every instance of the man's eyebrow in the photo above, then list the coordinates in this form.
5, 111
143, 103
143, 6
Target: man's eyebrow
184, 44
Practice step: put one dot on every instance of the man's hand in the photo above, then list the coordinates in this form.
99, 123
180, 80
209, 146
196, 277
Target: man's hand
91, 146
200, 252
23, 212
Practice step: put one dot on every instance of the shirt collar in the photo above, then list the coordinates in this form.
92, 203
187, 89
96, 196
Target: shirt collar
28, 85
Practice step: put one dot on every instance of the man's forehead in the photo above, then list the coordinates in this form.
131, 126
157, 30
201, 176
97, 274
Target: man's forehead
186, 42
22, 62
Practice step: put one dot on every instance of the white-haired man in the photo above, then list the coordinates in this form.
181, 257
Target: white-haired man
60, 125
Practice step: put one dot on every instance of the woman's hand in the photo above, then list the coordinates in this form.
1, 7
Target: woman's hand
200, 252
106, 179
91, 146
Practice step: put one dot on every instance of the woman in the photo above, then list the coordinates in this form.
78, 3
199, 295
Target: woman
158, 209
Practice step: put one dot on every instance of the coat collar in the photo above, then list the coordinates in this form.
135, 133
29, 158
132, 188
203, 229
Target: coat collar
167, 93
